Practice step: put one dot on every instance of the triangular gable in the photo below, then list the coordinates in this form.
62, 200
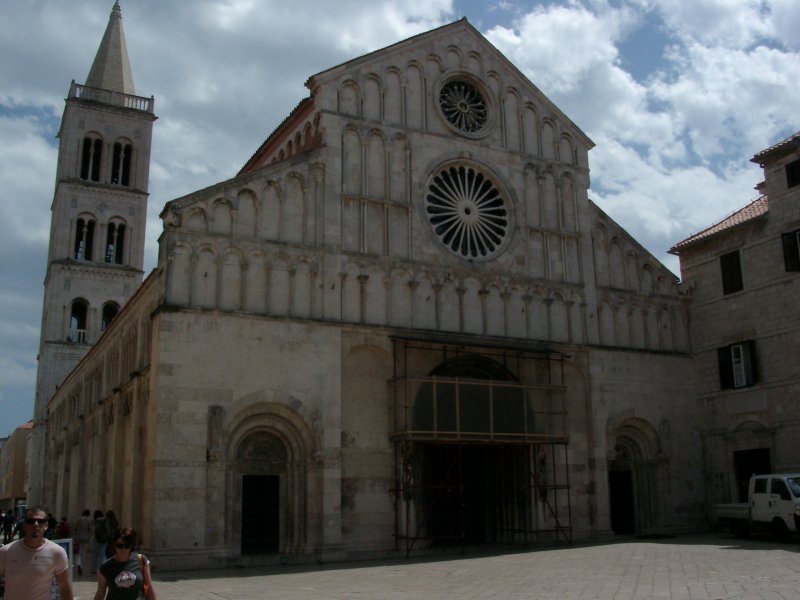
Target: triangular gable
460, 26
296, 120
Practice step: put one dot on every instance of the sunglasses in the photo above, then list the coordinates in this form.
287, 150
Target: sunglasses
37, 521
121, 546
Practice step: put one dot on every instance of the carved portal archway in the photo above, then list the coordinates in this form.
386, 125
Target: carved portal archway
638, 479
270, 482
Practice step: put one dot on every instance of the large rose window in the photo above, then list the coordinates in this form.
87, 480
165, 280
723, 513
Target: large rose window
467, 211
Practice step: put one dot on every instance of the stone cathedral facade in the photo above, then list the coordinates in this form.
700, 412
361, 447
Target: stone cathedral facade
402, 326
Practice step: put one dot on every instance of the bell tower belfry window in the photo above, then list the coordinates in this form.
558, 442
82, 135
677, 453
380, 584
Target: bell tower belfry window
84, 239
115, 243
91, 158
99, 209
121, 164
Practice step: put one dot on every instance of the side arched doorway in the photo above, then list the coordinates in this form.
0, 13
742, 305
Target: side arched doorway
637, 480
270, 483
261, 458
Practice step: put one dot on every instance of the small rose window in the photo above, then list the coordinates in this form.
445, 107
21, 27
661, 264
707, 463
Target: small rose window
463, 106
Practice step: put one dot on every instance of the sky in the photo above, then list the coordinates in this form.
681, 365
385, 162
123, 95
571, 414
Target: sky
677, 95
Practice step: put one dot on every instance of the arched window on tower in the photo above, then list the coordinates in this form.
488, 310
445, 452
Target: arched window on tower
110, 310
121, 164
91, 156
77, 321
115, 243
84, 240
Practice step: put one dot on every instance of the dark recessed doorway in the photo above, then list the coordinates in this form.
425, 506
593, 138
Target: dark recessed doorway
748, 463
620, 488
260, 514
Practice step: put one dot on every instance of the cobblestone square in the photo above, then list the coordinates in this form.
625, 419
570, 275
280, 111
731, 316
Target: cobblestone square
701, 567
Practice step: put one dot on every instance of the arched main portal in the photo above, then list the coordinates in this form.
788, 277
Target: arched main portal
478, 448
637, 482
471, 491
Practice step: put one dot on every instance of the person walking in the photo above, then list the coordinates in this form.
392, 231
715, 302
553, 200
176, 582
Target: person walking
83, 535
126, 575
8, 526
30, 564
63, 529
99, 539
51, 526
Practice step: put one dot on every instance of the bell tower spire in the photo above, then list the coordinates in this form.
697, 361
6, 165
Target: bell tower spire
111, 69
97, 233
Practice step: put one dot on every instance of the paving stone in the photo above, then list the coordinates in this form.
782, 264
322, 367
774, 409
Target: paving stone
706, 567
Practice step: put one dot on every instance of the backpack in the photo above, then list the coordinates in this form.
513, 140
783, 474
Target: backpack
101, 531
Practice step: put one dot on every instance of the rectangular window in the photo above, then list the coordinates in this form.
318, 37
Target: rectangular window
791, 250
731, 268
737, 365
793, 174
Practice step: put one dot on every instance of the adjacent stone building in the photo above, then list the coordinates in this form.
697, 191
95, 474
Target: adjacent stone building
13, 467
402, 325
743, 274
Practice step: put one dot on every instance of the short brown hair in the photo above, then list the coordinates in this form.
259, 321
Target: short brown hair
35, 509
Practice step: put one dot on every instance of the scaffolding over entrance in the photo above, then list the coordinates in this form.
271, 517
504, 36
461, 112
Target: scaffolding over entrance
480, 436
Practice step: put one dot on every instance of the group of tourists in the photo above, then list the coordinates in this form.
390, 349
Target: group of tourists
93, 539
12, 529
29, 565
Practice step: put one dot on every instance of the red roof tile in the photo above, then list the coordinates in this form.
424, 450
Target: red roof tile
781, 148
756, 208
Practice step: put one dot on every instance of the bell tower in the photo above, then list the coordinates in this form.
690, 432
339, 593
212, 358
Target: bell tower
97, 234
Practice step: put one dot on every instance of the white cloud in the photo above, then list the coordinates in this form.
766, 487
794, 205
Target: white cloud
666, 204
722, 23
558, 45
731, 100
786, 22
27, 173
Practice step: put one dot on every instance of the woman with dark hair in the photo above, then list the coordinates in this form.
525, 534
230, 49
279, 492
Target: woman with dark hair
126, 575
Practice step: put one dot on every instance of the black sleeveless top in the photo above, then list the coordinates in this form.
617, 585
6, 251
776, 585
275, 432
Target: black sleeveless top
125, 580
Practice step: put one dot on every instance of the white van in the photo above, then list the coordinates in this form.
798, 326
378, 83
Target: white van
775, 499
773, 506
